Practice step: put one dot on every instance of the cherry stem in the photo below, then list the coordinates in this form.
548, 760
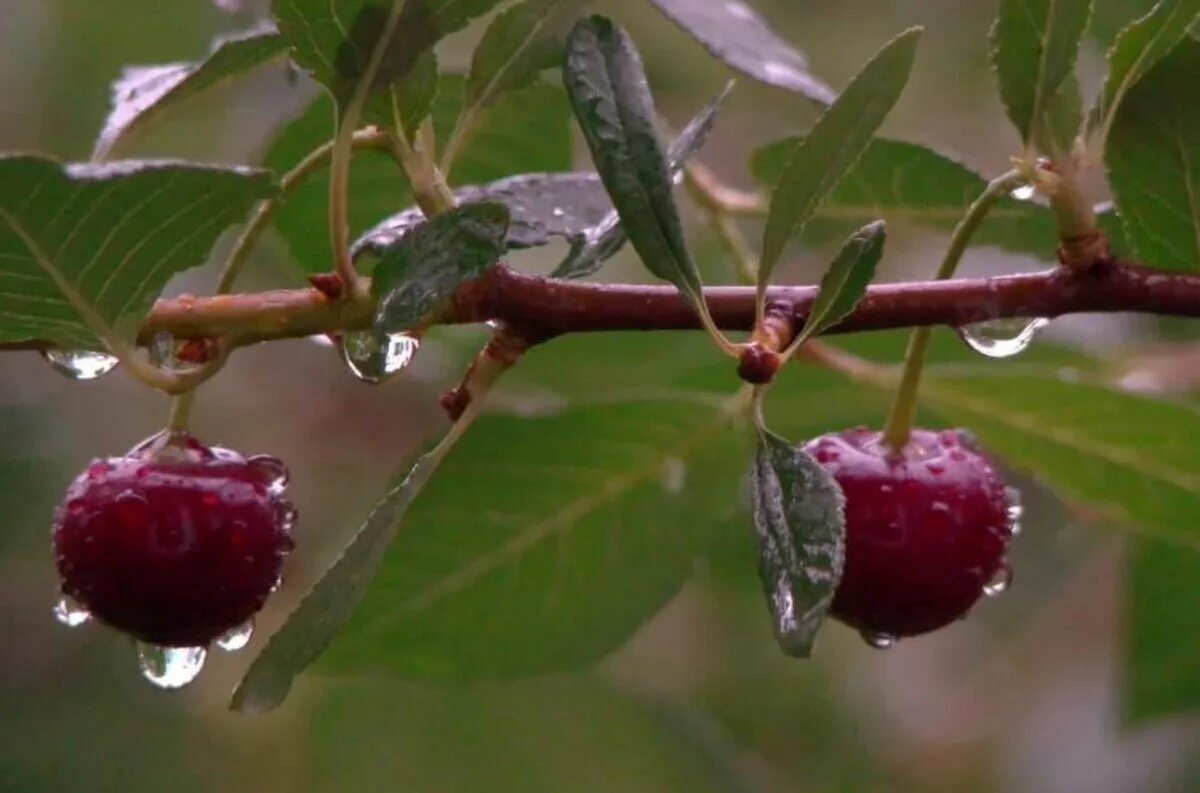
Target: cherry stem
903, 412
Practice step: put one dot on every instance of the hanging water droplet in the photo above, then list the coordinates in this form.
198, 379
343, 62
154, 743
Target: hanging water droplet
999, 582
235, 639
674, 475
1001, 338
70, 612
80, 364
272, 471
170, 667
1023, 193
373, 359
1015, 511
880, 641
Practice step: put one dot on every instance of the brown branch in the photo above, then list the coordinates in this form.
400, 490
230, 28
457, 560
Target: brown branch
553, 307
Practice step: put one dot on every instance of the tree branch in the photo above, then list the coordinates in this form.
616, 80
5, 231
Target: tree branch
550, 307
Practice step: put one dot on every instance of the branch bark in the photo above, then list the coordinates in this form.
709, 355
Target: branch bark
549, 307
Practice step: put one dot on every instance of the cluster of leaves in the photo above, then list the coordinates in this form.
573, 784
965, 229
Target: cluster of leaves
84, 249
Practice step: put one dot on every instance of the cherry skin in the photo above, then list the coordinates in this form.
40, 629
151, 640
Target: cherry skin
175, 543
926, 530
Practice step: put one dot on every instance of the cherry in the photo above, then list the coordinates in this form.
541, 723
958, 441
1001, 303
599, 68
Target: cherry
926, 530
175, 543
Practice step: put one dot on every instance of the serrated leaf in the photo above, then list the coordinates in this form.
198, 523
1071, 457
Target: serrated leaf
821, 159
1161, 642
421, 270
734, 32
607, 85
85, 249
1137, 49
799, 517
145, 94
846, 280
1062, 120
546, 542
1153, 158
1034, 47
907, 182
605, 238
324, 610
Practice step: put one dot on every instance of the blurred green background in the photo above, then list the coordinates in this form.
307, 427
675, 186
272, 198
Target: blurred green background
1020, 697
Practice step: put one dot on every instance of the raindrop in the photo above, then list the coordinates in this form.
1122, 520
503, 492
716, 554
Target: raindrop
80, 364
373, 359
235, 639
1023, 193
674, 475
999, 582
170, 667
272, 471
1001, 338
70, 612
1014, 510
880, 641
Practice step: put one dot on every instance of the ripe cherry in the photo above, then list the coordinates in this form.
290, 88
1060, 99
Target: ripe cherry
175, 543
926, 530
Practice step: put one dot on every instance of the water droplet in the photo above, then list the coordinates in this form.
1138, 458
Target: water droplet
70, 612
80, 364
288, 515
272, 471
235, 639
558, 212
170, 667
940, 507
999, 582
373, 359
1023, 193
880, 641
1001, 338
674, 475
322, 340
1014, 511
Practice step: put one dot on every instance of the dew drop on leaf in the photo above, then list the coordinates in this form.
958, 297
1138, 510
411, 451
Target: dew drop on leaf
374, 359
880, 641
999, 582
70, 612
1001, 338
170, 667
235, 639
80, 364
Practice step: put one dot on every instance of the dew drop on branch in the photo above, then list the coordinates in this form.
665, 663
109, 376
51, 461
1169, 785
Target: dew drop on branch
1001, 338
80, 364
1023, 193
374, 359
70, 612
170, 667
235, 639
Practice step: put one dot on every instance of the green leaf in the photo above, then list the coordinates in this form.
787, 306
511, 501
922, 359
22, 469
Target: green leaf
86, 249
1062, 120
1138, 48
1034, 47
414, 96
607, 85
734, 32
324, 610
546, 542
1161, 631
145, 94
1153, 158
421, 270
819, 162
846, 280
1131, 459
799, 516
906, 182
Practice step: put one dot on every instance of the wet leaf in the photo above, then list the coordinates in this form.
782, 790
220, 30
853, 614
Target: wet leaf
1034, 47
846, 280
607, 85
1138, 48
800, 521
145, 94
422, 268
734, 32
85, 249
906, 182
1153, 158
820, 160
